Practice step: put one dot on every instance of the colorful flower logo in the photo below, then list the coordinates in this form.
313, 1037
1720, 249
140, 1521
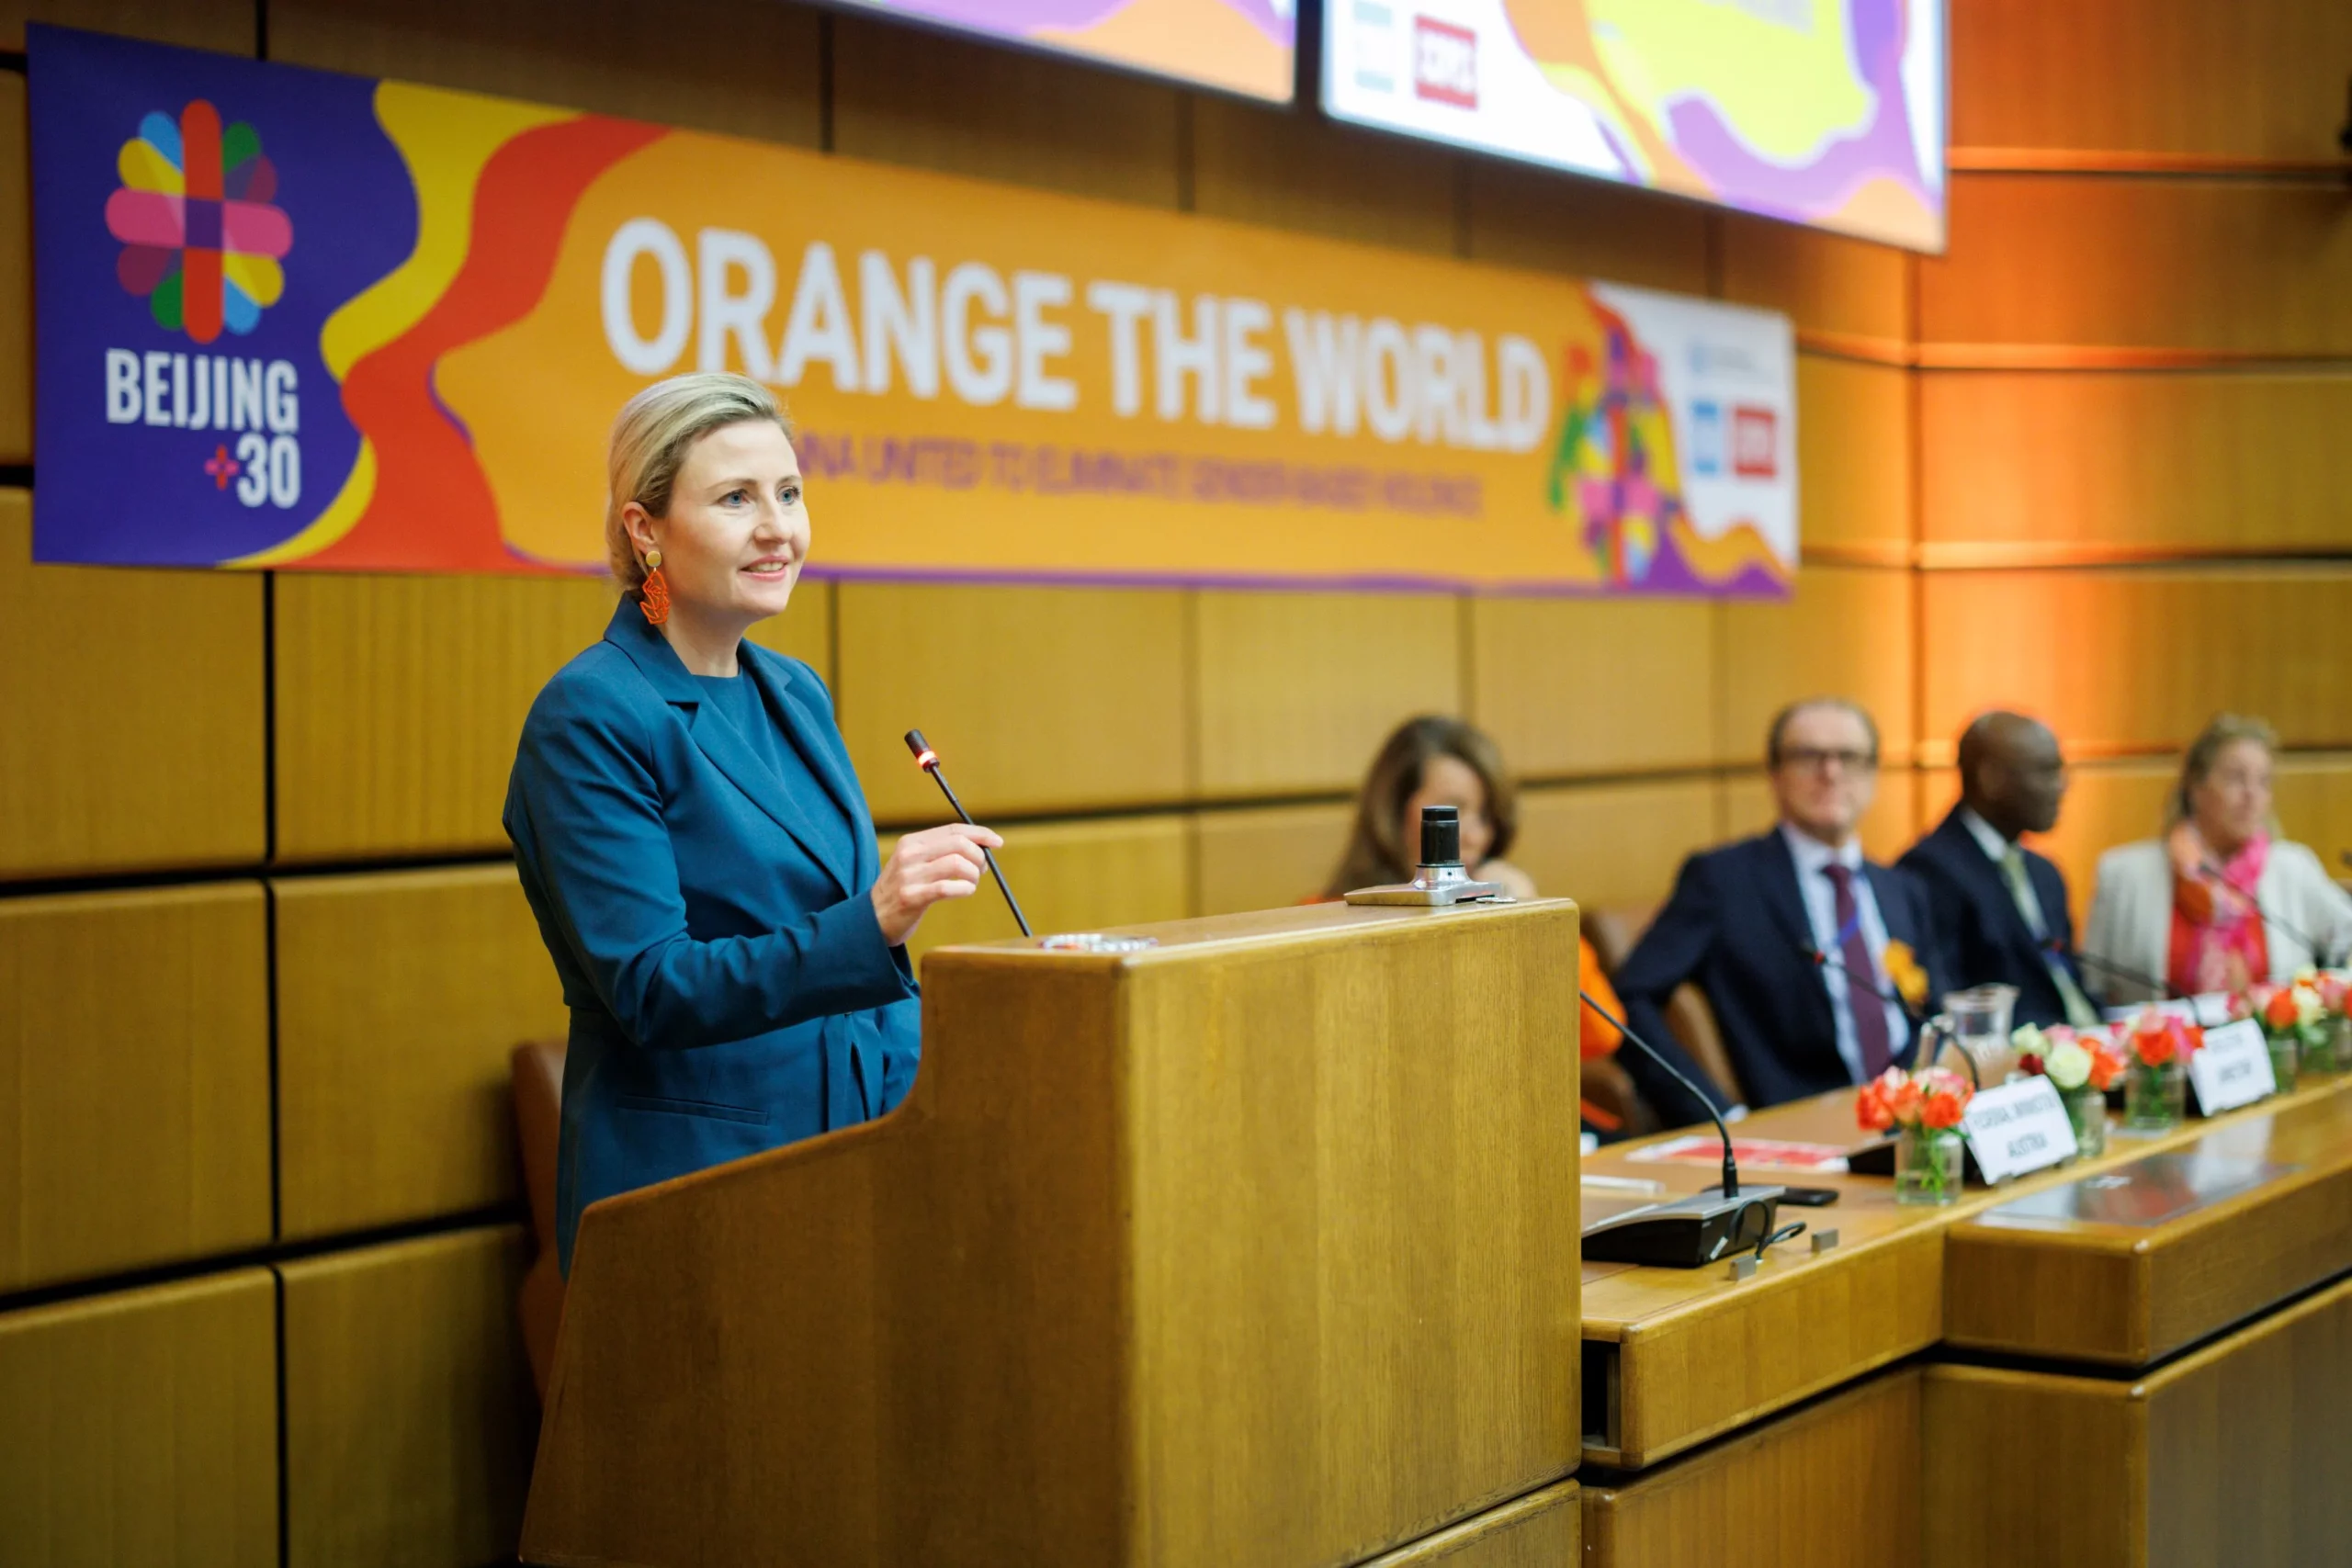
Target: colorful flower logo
201, 239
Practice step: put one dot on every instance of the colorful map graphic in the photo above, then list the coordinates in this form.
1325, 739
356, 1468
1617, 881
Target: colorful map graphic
1241, 46
1825, 112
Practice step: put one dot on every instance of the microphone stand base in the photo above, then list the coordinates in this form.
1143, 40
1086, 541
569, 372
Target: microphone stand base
1685, 1233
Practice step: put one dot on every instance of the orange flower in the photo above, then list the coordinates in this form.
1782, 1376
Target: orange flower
1904, 972
1942, 1109
2158, 1037
2281, 1010
1903, 1102
1870, 1111
2106, 1063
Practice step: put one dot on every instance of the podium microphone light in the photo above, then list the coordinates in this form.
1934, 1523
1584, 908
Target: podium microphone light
928, 760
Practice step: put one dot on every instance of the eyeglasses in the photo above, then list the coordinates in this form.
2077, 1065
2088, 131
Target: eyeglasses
1815, 759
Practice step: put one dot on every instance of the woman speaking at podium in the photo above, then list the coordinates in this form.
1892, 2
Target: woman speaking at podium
691, 838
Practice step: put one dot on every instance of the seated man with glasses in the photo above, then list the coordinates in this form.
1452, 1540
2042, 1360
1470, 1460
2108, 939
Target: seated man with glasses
1814, 961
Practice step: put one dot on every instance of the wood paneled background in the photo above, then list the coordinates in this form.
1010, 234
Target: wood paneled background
261, 956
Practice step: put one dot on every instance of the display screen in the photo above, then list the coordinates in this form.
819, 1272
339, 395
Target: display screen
1237, 46
1824, 112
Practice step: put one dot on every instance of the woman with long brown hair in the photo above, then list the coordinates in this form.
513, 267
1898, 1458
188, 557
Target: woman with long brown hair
1436, 760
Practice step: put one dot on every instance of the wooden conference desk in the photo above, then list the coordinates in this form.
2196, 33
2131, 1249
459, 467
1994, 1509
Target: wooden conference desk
2159, 1382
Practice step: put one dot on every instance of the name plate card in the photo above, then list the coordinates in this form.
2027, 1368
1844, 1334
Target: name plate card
2016, 1128
2233, 1069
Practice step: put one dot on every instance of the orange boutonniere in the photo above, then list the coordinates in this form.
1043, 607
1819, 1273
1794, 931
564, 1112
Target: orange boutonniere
1903, 972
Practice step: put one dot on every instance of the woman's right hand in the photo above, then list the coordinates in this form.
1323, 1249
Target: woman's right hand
938, 862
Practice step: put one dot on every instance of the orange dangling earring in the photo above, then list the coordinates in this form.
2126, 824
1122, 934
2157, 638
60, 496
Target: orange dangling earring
655, 600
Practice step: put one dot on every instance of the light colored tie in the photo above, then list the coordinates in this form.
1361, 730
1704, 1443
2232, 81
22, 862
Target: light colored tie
2079, 1011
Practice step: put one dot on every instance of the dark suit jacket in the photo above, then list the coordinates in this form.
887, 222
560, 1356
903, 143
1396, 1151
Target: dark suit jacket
730, 986
1737, 925
1983, 937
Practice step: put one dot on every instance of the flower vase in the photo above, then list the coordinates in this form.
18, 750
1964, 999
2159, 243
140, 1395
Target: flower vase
1928, 1164
2285, 1055
2335, 1055
2086, 1109
2153, 1096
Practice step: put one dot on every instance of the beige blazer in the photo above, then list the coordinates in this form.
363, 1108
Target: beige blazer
2130, 930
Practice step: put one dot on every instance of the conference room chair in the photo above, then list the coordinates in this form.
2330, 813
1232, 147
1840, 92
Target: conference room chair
1613, 933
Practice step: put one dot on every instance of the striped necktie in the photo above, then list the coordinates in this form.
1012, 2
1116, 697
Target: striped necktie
2079, 1011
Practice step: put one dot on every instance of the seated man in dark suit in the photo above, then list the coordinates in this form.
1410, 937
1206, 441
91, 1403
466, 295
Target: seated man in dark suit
1799, 943
2000, 909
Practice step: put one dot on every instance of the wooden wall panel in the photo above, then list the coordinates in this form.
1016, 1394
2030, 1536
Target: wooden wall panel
399, 996
2249, 267
1268, 857
1549, 221
1889, 828
1846, 632
1289, 170
943, 103
1615, 845
1074, 876
133, 741
1038, 699
607, 55
143, 1429
1835, 1485
409, 1414
1551, 680
2029, 468
15, 276
2262, 79
1541, 1530
2315, 799
399, 700
1973, 1412
1297, 691
1827, 284
227, 26
134, 1080
2138, 660
805, 631
1854, 460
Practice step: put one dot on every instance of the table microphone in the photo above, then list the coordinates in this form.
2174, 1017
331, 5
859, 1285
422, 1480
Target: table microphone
928, 760
2165, 988
2319, 954
1870, 985
1685, 1233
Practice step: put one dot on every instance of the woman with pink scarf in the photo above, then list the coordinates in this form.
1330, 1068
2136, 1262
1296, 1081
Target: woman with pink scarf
2218, 902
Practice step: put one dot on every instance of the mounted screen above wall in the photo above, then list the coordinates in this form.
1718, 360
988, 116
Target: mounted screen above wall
1235, 45
1825, 112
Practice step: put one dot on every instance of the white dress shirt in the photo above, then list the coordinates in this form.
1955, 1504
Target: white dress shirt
1814, 860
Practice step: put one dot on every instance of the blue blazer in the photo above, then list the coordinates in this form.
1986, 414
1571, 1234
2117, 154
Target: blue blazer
1737, 925
1978, 924
730, 986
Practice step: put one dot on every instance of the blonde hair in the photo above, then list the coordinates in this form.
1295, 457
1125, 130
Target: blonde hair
650, 439
2224, 731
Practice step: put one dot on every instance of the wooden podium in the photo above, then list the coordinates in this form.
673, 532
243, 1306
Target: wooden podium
1257, 1247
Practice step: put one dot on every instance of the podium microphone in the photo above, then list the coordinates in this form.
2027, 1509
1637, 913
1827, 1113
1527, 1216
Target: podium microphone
928, 760
1693, 1231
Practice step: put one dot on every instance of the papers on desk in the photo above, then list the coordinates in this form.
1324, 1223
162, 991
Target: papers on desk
1763, 1153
